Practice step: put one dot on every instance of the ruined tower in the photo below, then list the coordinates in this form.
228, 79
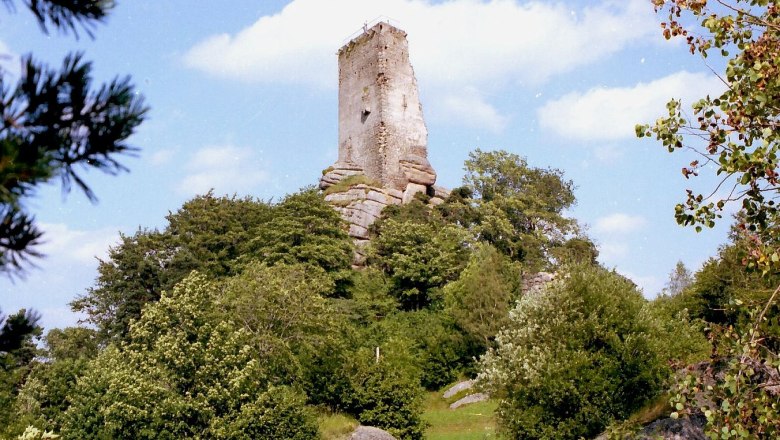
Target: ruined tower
383, 141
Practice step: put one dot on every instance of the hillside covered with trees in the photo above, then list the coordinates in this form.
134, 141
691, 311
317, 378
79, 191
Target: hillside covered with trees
246, 319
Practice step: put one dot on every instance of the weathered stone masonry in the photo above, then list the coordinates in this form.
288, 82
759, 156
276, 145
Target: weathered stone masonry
383, 141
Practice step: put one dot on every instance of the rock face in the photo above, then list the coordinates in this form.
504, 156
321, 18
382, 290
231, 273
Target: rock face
369, 433
458, 387
383, 153
534, 282
675, 429
471, 398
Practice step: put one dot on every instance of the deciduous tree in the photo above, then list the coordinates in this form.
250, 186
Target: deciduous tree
736, 134
515, 207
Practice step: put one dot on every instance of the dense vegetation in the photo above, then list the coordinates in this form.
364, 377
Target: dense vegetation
244, 319
243, 316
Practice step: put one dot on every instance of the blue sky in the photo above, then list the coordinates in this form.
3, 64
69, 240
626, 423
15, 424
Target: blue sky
243, 100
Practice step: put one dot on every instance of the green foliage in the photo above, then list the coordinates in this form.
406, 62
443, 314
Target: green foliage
383, 396
416, 211
724, 292
53, 123
33, 433
516, 208
207, 234
212, 232
575, 356
44, 396
575, 250
67, 16
276, 414
739, 126
479, 301
436, 352
17, 350
742, 401
284, 308
186, 371
419, 258
305, 229
370, 296
138, 269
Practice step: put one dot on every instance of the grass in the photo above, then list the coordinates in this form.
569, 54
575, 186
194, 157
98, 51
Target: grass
653, 410
470, 422
336, 426
348, 182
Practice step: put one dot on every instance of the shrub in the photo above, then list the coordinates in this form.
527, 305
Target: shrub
574, 357
384, 397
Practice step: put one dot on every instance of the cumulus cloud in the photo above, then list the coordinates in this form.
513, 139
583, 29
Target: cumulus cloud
226, 169
619, 224
469, 108
61, 243
455, 42
612, 113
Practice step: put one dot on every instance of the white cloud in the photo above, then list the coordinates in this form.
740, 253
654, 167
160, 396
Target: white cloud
469, 108
61, 243
619, 224
455, 42
612, 113
226, 169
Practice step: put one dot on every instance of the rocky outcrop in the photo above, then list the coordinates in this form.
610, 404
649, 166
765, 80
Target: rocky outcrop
361, 204
382, 155
458, 387
369, 433
337, 173
674, 429
418, 170
471, 398
534, 282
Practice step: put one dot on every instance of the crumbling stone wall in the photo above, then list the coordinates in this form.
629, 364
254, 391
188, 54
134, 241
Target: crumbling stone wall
382, 133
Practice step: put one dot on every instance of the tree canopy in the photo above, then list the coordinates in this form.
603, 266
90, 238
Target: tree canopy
515, 207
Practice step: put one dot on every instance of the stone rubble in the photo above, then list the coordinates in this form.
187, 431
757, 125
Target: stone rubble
370, 433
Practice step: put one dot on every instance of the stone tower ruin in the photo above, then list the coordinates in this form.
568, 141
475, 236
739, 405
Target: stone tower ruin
383, 141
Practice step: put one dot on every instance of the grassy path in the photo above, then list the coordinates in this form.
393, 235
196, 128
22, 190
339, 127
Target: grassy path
471, 422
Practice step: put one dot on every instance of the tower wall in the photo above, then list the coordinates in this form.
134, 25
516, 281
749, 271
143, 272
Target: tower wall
383, 153
381, 126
